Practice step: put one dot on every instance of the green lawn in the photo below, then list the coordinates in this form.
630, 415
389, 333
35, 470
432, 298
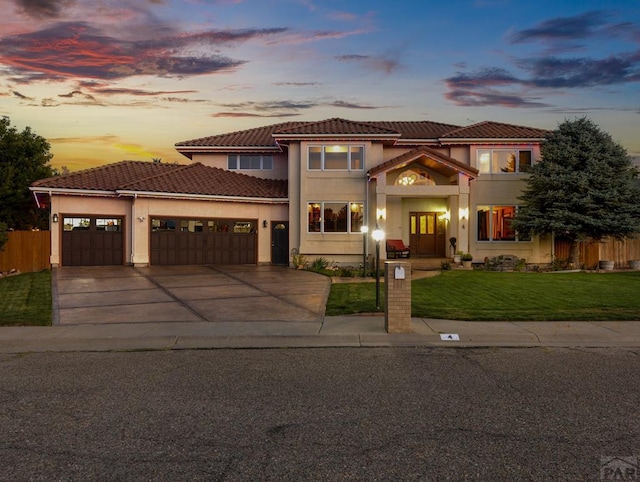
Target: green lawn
25, 299
482, 295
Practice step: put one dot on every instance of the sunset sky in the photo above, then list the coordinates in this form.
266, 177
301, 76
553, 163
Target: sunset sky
109, 80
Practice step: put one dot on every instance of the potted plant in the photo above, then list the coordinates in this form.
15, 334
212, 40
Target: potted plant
457, 257
466, 260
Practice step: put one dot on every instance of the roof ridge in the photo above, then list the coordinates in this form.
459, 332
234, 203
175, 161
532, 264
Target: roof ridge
337, 119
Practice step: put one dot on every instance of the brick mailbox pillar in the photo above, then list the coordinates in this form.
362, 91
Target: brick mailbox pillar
397, 311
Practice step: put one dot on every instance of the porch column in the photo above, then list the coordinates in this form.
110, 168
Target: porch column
464, 214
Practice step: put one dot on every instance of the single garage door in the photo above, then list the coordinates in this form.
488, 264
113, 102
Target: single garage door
203, 241
92, 241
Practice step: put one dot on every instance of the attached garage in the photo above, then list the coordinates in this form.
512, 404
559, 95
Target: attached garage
203, 241
92, 241
143, 213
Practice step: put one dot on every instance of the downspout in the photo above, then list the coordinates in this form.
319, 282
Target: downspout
366, 210
132, 223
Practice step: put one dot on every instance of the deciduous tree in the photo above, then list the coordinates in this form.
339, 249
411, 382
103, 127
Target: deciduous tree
24, 158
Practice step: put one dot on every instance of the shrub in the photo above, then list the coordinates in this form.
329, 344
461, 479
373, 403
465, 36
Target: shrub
4, 237
560, 264
319, 264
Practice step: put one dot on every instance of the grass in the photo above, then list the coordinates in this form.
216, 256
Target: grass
25, 299
495, 296
463, 295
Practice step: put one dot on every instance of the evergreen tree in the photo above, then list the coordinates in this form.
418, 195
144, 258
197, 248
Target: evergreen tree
584, 187
24, 158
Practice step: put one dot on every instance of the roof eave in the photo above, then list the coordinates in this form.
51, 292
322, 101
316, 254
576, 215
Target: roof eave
208, 197
334, 136
417, 141
81, 192
204, 149
484, 140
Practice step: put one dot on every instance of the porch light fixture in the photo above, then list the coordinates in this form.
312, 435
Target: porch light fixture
264, 223
464, 214
408, 179
381, 214
364, 230
55, 218
378, 235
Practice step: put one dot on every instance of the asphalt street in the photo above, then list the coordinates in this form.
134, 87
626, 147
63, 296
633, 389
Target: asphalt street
500, 414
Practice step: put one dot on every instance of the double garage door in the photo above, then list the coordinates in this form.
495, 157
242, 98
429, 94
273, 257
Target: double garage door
99, 241
203, 241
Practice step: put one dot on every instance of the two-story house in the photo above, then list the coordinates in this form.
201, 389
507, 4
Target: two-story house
252, 196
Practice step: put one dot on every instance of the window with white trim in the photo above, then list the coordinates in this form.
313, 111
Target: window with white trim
492, 161
249, 162
335, 217
494, 224
336, 158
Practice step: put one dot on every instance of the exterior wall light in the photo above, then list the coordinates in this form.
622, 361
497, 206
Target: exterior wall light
55, 218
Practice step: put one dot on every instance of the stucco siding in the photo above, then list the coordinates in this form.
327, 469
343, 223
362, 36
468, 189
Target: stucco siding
279, 171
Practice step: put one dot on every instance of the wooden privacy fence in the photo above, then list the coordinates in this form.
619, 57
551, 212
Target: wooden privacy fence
26, 251
618, 251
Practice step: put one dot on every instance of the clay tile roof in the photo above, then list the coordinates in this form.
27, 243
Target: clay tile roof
335, 126
105, 178
417, 129
496, 130
138, 176
257, 137
212, 181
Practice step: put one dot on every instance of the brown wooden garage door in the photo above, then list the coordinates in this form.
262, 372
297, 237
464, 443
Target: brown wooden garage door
92, 241
203, 241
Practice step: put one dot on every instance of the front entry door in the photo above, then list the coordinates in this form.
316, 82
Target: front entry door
280, 243
426, 234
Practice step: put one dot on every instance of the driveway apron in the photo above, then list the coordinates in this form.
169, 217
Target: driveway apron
104, 295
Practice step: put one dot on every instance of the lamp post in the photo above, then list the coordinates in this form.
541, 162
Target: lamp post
378, 235
364, 230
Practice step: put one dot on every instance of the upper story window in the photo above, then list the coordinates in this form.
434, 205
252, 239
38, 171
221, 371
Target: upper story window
336, 158
249, 162
492, 161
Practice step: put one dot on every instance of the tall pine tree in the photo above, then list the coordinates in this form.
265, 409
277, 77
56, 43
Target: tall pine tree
585, 187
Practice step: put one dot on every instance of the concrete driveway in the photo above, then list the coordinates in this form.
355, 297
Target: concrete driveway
107, 295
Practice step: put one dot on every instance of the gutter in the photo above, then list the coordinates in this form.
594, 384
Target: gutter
82, 192
510, 140
207, 197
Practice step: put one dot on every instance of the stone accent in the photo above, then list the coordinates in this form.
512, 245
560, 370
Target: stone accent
504, 262
397, 313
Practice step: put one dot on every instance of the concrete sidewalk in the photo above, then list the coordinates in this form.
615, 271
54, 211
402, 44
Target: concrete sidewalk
338, 331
